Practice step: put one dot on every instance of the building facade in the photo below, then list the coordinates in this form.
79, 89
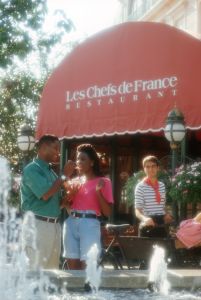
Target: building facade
183, 14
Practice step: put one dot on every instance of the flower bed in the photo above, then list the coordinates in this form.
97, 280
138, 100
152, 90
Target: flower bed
186, 184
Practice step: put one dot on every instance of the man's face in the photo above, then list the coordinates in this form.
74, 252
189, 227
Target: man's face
52, 151
151, 169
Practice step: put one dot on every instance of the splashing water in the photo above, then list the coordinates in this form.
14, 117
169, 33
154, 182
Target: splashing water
158, 272
93, 271
16, 281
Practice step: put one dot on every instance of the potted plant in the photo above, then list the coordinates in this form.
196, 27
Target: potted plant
186, 184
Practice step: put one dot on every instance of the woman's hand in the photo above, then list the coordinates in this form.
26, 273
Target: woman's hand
106, 207
100, 185
71, 189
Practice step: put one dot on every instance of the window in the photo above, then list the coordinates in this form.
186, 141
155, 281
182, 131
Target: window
191, 18
180, 22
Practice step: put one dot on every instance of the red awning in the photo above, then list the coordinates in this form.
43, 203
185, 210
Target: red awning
123, 80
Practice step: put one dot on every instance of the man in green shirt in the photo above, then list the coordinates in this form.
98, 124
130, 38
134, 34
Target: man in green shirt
41, 194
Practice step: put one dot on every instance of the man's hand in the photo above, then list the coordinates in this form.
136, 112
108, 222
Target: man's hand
148, 222
65, 201
168, 219
100, 185
69, 168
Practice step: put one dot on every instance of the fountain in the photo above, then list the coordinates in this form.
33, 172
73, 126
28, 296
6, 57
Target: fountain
18, 282
158, 272
93, 271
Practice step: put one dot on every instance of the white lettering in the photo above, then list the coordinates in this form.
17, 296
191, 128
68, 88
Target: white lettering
97, 92
77, 105
148, 96
174, 92
128, 87
82, 94
99, 101
125, 87
137, 85
113, 90
104, 91
150, 85
68, 97
135, 97
160, 94
165, 83
89, 104
122, 99
67, 106
90, 92
173, 81
121, 88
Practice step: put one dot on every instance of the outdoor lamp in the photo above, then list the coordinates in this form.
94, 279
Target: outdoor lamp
175, 132
175, 127
25, 139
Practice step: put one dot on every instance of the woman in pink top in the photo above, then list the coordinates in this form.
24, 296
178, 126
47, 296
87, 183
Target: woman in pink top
90, 197
189, 232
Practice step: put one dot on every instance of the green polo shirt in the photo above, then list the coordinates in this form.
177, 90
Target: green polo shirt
37, 179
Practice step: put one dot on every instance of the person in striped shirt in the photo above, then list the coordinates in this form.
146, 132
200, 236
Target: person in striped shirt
150, 197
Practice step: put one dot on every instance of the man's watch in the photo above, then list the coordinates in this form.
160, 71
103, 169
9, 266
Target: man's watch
64, 177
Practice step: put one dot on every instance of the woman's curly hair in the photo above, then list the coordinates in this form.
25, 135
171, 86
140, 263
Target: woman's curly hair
92, 154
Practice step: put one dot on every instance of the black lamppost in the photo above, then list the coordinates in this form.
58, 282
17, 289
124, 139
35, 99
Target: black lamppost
175, 132
25, 141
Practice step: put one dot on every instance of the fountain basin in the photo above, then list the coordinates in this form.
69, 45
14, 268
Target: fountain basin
124, 279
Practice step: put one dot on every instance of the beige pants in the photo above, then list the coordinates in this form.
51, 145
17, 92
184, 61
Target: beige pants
47, 247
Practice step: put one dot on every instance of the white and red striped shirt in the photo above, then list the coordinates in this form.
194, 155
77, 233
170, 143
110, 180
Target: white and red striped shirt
145, 199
